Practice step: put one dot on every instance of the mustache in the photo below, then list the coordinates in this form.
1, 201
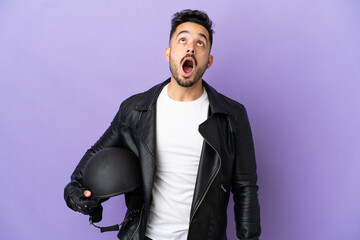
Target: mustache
189, 55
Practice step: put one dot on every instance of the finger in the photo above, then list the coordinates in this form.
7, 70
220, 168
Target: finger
87, 193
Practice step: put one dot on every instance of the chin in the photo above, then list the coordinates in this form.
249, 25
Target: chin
186, 82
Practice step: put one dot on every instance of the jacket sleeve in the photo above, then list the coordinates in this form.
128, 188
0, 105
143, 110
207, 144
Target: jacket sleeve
244, 186
111, 138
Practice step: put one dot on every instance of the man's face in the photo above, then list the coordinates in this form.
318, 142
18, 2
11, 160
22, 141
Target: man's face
188, 53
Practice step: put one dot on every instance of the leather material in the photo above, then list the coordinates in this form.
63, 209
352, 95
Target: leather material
79, 203
227, 164
111, 172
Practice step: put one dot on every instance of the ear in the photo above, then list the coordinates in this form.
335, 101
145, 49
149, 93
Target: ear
210, 61
167, 54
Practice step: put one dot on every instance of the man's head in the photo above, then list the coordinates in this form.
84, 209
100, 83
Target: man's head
189, 47
194, 16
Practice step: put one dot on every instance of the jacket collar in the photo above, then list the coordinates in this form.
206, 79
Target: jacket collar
216, 100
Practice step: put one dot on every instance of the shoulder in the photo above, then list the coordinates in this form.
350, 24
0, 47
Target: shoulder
237, 113
222, 104
232, 110
234, 106
142, 101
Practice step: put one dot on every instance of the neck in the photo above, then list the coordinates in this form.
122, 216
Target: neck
184, 94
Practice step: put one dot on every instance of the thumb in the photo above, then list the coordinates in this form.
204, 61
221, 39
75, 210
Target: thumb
87, 193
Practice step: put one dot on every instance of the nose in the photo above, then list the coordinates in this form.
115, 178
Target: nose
190, 49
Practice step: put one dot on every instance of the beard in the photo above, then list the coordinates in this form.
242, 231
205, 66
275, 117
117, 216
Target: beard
186, 81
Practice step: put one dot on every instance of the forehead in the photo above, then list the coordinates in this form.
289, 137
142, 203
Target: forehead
191, 28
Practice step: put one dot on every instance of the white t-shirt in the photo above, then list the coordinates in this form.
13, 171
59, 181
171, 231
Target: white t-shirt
179, 145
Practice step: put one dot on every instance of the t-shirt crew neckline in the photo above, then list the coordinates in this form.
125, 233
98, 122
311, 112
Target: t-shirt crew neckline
184, 103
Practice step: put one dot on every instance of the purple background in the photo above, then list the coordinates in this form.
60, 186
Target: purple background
65, 66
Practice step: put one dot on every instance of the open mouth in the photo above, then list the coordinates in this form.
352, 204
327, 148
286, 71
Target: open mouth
188, 66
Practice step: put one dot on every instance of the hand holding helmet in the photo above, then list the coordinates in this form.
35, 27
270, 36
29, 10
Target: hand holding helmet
108, 173
80, 200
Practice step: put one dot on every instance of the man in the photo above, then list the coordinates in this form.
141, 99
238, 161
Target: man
194, 146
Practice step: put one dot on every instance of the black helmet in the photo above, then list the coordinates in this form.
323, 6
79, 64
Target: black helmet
111, 172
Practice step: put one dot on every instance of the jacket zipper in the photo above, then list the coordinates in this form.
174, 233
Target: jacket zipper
207, 189
137, 228
223, 188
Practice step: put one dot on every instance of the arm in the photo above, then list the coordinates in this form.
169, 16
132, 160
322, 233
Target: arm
111, 138
244, 187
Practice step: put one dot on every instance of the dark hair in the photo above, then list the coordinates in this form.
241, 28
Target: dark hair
194, 16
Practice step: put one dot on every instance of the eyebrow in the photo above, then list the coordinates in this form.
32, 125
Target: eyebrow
201, 34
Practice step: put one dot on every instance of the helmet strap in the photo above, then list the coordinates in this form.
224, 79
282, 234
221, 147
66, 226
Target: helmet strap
115, 227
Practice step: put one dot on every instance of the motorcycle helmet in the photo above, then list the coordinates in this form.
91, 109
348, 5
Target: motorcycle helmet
108, 173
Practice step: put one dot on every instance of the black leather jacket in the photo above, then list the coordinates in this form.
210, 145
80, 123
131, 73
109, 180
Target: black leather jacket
227, 163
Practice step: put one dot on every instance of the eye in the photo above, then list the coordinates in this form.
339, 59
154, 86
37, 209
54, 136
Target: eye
182, 40
199, 43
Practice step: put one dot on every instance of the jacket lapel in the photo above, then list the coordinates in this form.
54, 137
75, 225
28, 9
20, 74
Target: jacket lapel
210, 161
146, 130
146, 122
